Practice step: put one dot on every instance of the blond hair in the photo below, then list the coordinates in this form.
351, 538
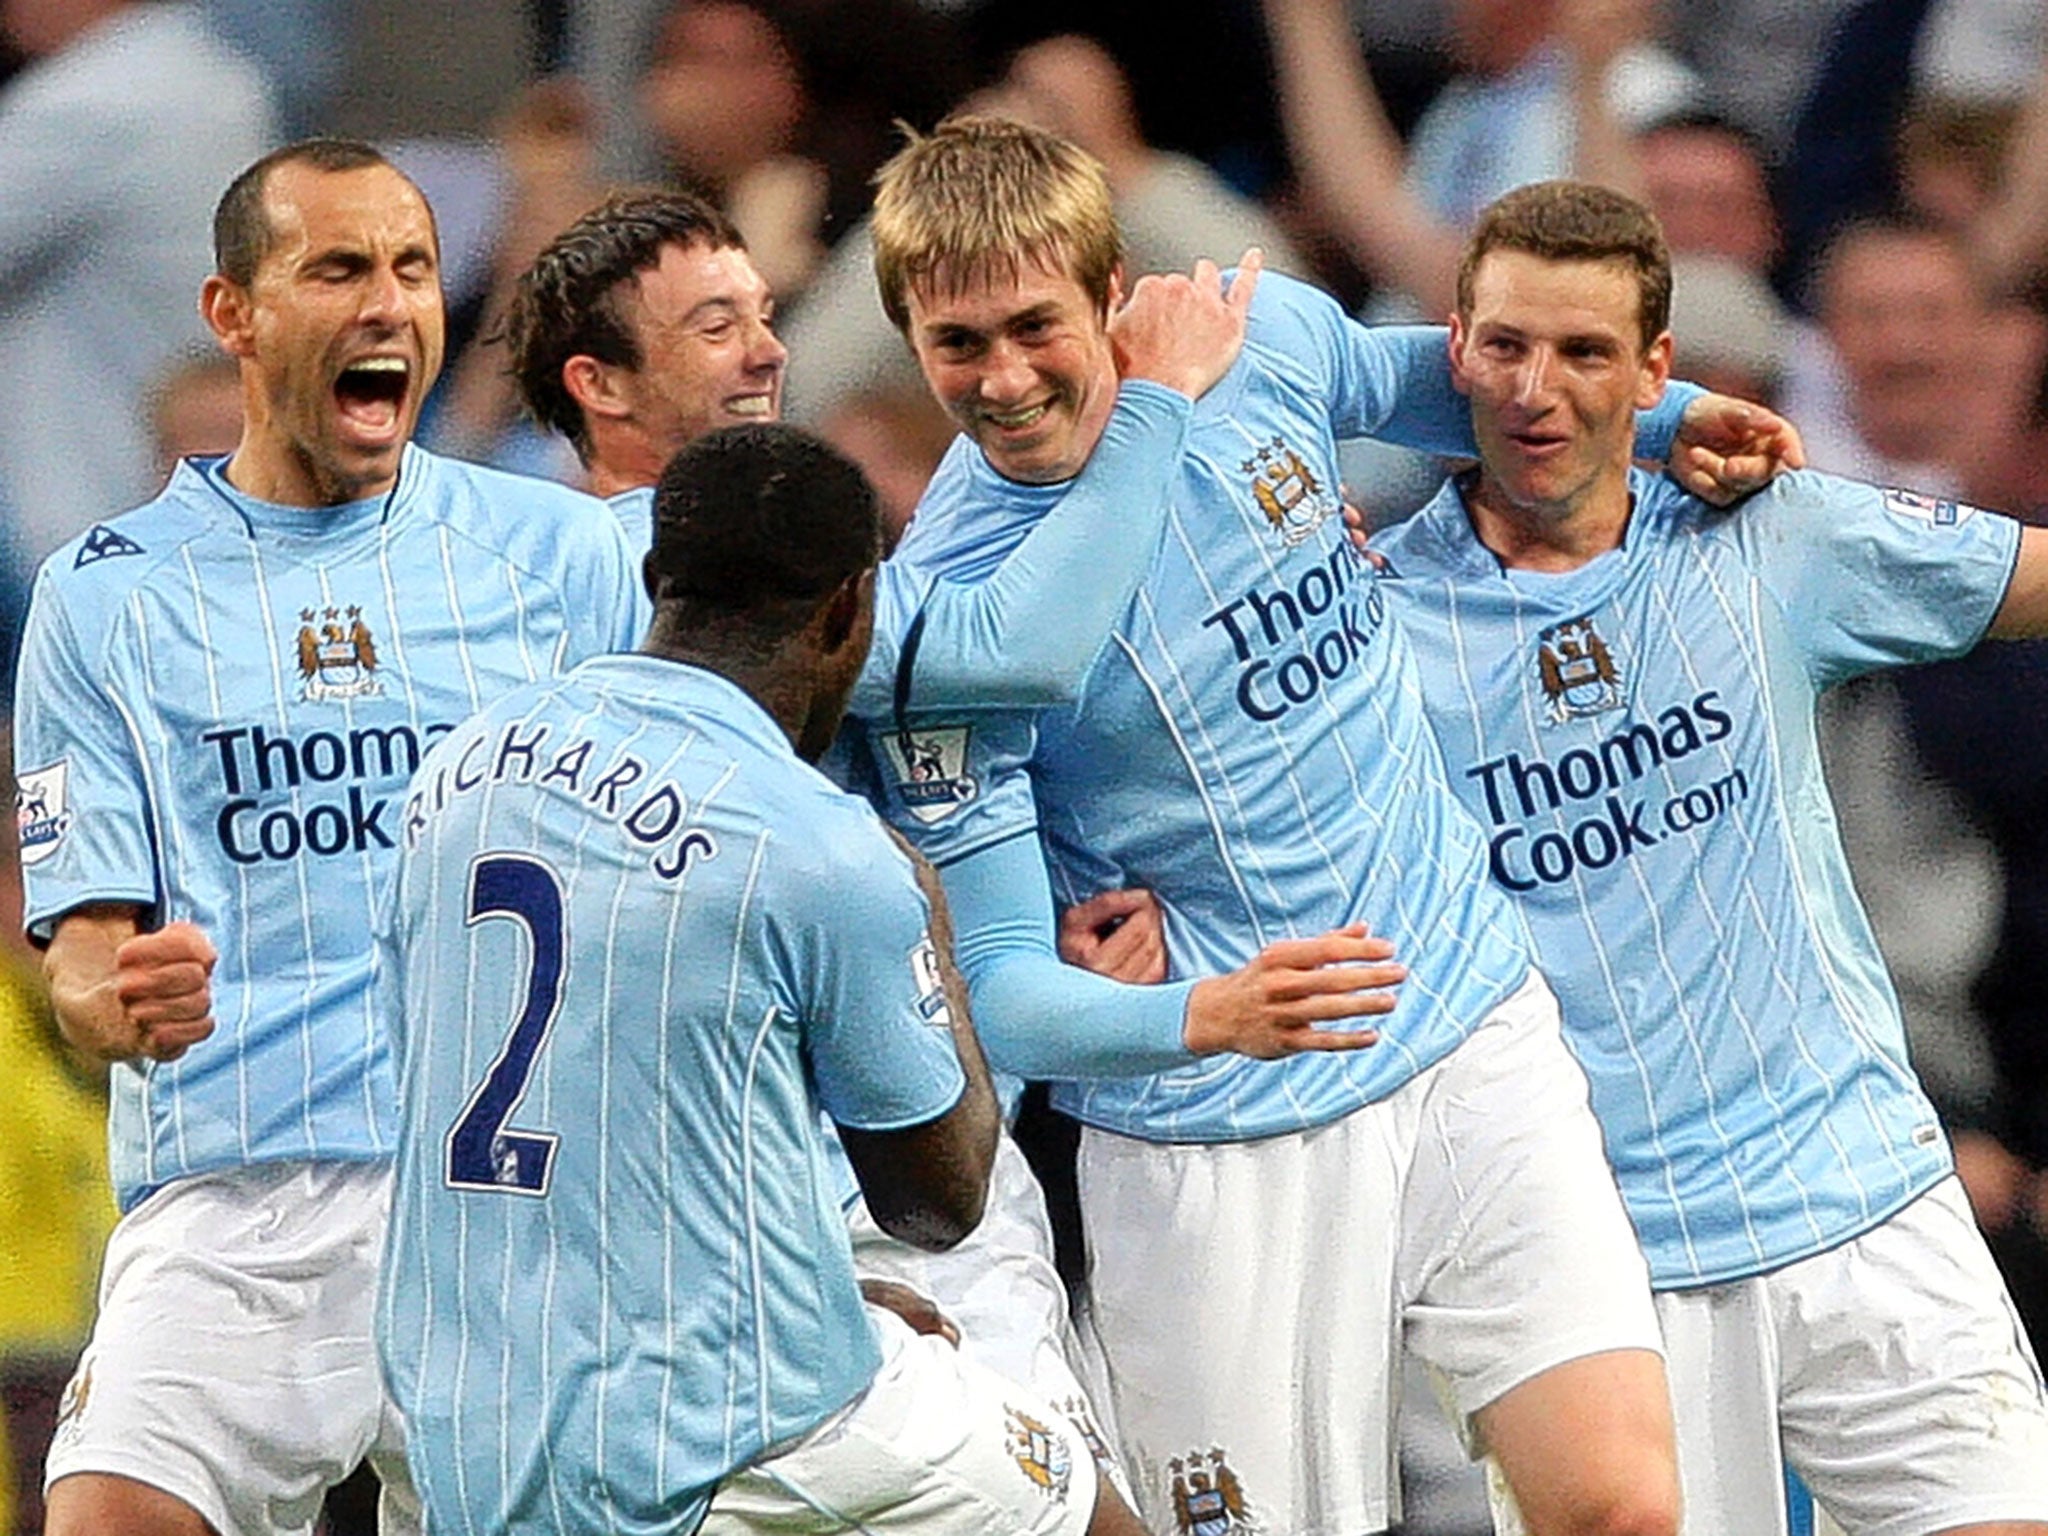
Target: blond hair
982, 197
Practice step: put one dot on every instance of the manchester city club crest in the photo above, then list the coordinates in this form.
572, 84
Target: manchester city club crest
928, 765
1208, 1500
40, 819
1288, 492
1041, 1453
1577, 669
337, 659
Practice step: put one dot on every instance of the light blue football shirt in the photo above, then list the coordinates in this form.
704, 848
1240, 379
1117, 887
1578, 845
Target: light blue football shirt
220, 700
1025, 632
1251, 746
634, 946
1637, 739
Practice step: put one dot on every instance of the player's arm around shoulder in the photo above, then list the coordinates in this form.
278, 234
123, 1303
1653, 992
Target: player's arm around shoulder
924, 1175
121, 992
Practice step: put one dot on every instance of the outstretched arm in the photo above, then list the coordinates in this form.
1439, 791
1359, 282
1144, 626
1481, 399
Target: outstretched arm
1040, 1018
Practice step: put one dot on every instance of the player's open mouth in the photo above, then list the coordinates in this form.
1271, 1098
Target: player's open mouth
757, 407
371, 392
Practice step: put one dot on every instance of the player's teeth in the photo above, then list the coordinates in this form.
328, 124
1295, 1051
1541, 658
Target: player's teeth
751, 405
378, 365
1017, 418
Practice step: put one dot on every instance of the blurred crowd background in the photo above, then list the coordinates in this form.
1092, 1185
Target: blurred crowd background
1855, 192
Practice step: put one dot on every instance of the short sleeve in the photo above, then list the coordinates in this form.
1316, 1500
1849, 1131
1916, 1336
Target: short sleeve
876, 1025
81, 805
1868, 577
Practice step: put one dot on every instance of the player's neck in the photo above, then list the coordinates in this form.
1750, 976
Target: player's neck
788, 693
1541, 536
278, 473
622, 459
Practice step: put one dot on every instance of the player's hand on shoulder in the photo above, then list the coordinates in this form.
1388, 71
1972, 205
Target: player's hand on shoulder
1185, 330
1118, 934
1728, 448
1278, 1004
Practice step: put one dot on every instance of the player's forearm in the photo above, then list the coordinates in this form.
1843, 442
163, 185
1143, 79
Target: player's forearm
1348, 156
1044, 1019
1028, 634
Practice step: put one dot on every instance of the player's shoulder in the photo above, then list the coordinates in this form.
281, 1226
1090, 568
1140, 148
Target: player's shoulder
536, 523
1433, 543
103, 565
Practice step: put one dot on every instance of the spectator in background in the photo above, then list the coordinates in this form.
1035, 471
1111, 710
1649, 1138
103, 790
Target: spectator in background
1929, 370
1547, 90
195, 410
114, 138
1708, 183
897, 437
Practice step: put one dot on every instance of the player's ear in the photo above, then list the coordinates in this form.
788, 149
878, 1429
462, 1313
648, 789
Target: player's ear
595, 387
225, 307
848, 614
1460, 380
1656, 373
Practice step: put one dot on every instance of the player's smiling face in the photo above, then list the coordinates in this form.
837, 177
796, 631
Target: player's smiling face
344, 329
709, 356
1023, 365
1552, 358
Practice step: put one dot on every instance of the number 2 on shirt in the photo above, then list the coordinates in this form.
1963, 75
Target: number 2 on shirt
484, 1154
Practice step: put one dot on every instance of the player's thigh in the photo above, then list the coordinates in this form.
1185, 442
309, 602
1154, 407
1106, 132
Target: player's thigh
231, 1364
1241, 1297
1721, 1351
937, 1444
1912, 1400
1520, 1269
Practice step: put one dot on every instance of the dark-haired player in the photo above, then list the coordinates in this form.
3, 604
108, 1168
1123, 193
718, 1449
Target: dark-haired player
635, 946
222, 694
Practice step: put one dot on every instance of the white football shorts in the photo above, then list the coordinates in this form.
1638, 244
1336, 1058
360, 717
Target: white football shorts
1251, 1299
233, 1363
1890, 1371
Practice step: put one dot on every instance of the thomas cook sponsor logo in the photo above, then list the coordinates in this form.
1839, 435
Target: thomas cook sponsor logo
40, 819
1293, 500
337, 656
1577, 671
320, 792
1040, 1452
1597, 782
1293, 643
1208, 1500
1934, 511
929, 767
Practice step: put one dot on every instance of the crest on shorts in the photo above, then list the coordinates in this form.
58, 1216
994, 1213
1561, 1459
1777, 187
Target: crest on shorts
1082, 1417
1208, 1500
40, 819
71, 1406
1288, 491
1040, 1451
928, 765
337, 655
1577, 669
